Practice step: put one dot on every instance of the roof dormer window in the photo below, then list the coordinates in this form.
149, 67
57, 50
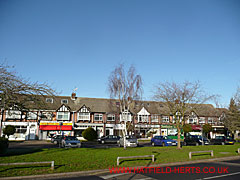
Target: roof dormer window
49, 100
64, 101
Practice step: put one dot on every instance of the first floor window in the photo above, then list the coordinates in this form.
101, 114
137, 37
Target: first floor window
31, 115
63, 115
201, 120
84, 116
98, 117
13, 114
154, 118
165, 119
46, 115
142, 118
111, 117
210, 120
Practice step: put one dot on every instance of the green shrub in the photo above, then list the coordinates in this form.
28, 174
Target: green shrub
3, 145
9, 130
89, 134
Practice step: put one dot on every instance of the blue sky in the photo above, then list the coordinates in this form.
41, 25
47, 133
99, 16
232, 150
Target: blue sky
76, 43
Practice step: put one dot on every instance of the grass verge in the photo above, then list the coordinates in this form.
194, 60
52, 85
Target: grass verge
80, 159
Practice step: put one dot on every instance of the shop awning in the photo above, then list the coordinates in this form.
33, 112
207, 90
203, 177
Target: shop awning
55, 126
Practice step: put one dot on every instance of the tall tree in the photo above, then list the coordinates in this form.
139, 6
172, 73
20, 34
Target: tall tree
232, 121
180, 99
19, 93
126, 87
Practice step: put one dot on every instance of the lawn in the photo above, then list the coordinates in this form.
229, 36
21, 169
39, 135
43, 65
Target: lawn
79, 159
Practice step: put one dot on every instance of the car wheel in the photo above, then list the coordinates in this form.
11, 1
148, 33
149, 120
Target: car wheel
153, 144
184, 143
163, 144
102, 142
197, 144
55, 142
223, 143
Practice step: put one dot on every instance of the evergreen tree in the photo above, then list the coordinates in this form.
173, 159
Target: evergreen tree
232, 122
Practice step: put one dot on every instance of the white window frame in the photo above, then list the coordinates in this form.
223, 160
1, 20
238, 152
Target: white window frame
210, 120
128, 115
112, 117
64, 100
98, 117
65, 116
143, 118
49, 100
49, 115
165, 119
84, 116
154, 118
202, 120
32, 115
14, 114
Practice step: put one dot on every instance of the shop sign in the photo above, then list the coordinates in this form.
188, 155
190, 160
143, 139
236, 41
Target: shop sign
55, 126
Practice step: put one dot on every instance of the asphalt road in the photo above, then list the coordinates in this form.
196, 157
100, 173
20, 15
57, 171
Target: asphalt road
47, 144
221, 170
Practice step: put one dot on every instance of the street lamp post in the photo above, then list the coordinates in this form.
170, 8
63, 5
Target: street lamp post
60, 123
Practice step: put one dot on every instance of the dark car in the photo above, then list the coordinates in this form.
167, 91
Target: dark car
163, 141
195, 140
222, 140
56, 139
108, 139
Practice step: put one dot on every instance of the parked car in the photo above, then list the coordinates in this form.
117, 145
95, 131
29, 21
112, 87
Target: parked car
163, 141
195, 140
71, 141
222, 140
56, 139
131, 141
108, 139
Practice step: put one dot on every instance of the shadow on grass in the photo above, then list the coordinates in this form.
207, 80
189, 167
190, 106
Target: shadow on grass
30, 167
13, 152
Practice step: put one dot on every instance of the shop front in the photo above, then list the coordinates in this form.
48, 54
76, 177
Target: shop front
145, 130
168, 130
80, 127
48, 129
24, 130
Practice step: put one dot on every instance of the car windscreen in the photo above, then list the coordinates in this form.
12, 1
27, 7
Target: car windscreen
130, 137
71, 138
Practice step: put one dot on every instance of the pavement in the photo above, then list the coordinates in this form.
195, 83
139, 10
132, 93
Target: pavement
216, 168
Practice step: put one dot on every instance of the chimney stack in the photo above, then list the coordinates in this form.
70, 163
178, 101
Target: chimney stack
73, 96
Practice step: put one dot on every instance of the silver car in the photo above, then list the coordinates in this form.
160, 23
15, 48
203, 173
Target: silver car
131, 141
71, 141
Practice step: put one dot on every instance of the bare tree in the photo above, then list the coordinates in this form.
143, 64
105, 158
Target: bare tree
126, 87
180, 99
20, 93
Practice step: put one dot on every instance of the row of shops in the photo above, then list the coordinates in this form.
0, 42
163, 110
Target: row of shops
46, 129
